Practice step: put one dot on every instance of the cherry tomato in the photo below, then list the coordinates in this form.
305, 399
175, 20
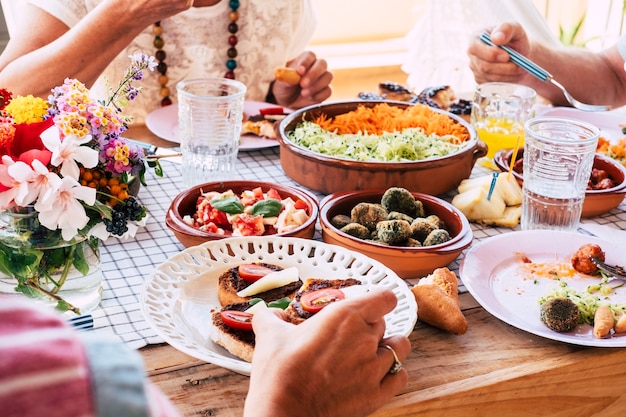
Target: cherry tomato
248, 225
239, 320
253, 272
271, 111
301, 205
258, 193
272, 193
314, 301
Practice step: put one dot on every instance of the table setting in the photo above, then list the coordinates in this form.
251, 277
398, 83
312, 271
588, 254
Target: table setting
159, 287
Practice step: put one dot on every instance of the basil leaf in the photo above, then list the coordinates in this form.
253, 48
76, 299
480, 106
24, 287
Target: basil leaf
230, 205
283, 303
267, 208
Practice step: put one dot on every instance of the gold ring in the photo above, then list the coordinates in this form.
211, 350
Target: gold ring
397, 365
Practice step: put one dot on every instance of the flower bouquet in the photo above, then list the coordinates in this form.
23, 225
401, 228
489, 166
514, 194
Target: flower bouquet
64, 186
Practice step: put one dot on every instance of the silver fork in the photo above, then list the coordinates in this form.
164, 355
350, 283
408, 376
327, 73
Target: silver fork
534, 69
616, 271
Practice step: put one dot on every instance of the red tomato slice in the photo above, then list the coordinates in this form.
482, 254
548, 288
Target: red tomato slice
239, 320
253, 272
314, 301
272, 193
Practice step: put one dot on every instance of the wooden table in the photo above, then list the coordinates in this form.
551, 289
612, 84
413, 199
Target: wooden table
492, 370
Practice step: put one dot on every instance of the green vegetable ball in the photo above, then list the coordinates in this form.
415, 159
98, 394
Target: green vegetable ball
368, 214
421, 228
340, 220
357, 230
436, 237
396, 215
399, 199
394, 232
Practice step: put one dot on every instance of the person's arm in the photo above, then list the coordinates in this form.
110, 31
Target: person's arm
44, 51
591, 77
333, 364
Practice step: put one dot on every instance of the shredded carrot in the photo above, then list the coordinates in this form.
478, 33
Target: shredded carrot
385, 118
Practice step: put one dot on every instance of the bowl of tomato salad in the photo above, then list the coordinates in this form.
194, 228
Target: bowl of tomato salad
218, 210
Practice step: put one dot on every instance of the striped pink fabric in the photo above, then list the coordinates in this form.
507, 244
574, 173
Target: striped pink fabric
43, 370
43, 366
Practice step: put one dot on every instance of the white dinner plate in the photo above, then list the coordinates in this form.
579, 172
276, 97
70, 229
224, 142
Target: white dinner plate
163, 122
608, 122
494, 275
179, 296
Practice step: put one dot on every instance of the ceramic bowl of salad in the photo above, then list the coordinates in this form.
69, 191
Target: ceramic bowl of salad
319, 150
218, 210
436, 234
606, 188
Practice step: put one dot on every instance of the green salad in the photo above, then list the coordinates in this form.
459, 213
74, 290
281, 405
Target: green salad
411, 144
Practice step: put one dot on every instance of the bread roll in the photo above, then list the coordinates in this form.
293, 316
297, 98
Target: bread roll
438, 301
287, 75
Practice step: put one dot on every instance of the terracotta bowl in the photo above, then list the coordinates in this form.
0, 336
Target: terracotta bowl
596, 201
329, 174
407, 262
185, 204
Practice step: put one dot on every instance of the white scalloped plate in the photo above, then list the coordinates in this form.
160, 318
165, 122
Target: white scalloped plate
179, 295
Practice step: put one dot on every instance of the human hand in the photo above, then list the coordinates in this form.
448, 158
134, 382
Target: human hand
314, 86
489, 63
331, 364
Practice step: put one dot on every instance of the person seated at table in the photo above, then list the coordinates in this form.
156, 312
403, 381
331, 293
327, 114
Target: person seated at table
91, 41
334, 364
590, 77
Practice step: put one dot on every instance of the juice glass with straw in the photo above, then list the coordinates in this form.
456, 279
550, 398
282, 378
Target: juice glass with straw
499, 111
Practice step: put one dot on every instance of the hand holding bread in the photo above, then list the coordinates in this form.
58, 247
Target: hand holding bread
287, 75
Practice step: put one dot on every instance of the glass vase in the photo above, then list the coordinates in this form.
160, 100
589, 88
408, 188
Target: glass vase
38, 263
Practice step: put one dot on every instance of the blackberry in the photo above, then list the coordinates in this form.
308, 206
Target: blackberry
117, 224
133, 210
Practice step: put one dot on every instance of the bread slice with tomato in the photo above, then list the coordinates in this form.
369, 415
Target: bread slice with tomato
257, 280
317, 293
232, 325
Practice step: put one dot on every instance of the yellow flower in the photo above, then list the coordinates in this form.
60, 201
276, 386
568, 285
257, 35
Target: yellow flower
27, 109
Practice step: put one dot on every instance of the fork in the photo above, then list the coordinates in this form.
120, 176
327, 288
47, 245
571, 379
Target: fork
614, 270
534, 69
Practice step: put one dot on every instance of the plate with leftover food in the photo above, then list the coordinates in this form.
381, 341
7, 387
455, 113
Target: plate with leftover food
180, 296
257, 130
531, 280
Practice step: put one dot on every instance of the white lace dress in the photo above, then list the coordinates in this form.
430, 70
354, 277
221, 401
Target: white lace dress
270, 33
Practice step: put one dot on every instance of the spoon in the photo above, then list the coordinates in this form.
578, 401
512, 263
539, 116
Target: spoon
534, 69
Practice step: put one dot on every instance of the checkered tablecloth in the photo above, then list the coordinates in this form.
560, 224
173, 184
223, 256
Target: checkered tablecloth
126, 264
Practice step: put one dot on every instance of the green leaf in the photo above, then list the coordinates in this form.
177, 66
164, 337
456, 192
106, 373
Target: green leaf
267, 208
80, 260
283, 303
230, 205
63, 305
28, 291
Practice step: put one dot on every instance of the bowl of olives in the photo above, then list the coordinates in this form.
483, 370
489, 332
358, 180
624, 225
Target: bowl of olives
606, 188
412, 233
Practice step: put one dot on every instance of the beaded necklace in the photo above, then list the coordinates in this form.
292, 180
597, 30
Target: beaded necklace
160, 55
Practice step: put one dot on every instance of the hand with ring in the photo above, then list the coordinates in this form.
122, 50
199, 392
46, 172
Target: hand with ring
337, 362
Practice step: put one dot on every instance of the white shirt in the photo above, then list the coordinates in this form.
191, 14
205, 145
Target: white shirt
270, 33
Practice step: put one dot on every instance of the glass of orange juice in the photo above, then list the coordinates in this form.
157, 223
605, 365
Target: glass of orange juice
499, 111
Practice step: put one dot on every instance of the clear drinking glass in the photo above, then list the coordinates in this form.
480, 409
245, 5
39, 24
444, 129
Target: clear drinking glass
499, 111
210, 115
558, 157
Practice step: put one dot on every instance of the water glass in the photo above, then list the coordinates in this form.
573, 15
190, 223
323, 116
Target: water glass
558, 158
210, 113
499, 111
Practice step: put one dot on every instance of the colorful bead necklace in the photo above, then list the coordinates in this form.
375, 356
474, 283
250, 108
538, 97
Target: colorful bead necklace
160, 55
